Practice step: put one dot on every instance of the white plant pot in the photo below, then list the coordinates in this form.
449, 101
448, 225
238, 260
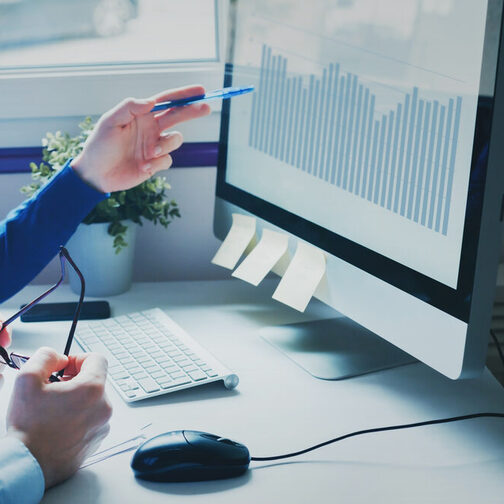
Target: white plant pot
105, 272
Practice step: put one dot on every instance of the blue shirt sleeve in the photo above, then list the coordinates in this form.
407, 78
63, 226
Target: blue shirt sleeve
31, 234
21, 478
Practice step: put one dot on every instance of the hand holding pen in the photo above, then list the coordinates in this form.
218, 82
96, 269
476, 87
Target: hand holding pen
217, 94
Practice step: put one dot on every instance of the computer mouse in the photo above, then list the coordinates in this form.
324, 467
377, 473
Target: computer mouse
187, 455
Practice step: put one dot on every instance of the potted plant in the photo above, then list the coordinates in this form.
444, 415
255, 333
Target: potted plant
103, 245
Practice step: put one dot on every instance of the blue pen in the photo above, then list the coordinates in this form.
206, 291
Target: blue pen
224, 93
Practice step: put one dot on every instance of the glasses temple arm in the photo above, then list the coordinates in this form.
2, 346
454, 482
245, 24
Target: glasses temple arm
37, 300
68, 345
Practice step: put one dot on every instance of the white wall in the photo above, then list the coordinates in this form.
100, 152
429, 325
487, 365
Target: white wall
181, 252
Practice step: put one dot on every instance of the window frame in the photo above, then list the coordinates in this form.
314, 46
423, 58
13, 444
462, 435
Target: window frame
44, 99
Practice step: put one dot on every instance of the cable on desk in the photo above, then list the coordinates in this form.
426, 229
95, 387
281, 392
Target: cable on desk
498, 345
380, 429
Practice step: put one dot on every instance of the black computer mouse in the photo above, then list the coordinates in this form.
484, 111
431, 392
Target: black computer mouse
188, 455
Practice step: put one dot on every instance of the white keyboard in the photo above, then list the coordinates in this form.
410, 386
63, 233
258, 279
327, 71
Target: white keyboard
149, 355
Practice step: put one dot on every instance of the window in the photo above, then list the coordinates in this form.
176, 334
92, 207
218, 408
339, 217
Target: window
61, 60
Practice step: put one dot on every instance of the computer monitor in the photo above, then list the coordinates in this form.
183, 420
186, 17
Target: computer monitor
376, 133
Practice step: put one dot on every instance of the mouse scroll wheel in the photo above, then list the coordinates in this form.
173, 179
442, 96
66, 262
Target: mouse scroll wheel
225, 440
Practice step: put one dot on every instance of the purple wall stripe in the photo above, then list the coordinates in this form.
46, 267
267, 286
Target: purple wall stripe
190, 154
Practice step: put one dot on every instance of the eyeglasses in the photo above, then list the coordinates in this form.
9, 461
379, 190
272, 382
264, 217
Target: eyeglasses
14, 360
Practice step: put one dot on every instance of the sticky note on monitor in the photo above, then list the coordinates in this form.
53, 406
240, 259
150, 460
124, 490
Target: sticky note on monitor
240, 236
302, 277
270, 249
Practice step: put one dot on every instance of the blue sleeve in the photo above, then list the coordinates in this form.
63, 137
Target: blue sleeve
31, 234
21, 478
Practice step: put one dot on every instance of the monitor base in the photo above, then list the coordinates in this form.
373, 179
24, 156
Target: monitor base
335, 349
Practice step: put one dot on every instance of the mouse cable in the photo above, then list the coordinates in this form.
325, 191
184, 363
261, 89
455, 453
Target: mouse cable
498, 345
380, 429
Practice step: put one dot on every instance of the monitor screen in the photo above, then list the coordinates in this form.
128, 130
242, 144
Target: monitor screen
368, 133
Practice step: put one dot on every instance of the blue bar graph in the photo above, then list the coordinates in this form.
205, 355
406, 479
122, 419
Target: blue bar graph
334, 128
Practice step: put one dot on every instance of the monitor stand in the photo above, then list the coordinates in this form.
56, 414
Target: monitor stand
334, 349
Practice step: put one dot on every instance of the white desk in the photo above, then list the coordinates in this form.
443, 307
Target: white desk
279, 408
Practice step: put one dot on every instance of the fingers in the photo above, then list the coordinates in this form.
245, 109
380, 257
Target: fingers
5, 336
43, 363
160, 158
178, 93
167, 143
74, 364
87, 367
123, 113
155, 165
177, 115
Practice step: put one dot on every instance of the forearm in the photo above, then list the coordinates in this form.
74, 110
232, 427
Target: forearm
31, 234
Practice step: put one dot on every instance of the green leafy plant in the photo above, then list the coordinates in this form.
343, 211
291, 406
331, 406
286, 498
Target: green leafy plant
145, 201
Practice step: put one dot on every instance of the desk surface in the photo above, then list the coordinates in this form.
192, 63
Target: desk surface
278, 408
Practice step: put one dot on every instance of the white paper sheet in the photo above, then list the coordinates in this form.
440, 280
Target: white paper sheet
270, 249
302, 277
241, 234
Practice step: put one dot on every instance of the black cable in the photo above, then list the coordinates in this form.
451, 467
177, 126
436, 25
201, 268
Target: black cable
380, 429
498, 345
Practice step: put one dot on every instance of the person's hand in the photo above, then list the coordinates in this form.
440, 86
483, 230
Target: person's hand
60, 423
127, 147
5, 336
5, 340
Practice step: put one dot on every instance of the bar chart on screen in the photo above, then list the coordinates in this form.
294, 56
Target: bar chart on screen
361, 122
331, 126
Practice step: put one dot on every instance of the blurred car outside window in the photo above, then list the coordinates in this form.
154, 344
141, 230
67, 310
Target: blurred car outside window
60, 33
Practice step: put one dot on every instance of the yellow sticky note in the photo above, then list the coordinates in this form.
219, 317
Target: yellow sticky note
263, 257
302, 277
240, 235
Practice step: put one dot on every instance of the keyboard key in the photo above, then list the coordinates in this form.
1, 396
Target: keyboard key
132, 366
168, 385
148, 384
174, 353
188, 366
182, 381
127, 359
179, 358
139, 374
169, 366
119, 374
132, 384
211, 373
177, 374
197, 375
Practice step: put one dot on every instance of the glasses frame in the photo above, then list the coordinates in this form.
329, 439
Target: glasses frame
14, 360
